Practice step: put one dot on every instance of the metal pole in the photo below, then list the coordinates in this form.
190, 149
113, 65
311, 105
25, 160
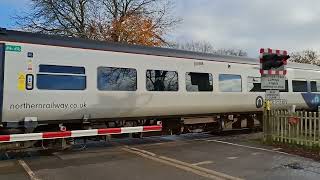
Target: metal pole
267, 121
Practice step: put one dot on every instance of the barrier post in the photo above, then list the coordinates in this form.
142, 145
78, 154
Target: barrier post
267, 122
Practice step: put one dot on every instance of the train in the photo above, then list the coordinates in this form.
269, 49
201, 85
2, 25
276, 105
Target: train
49, 81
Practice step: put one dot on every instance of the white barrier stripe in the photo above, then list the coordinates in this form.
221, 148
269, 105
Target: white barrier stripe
25, 137
82, 133
132, 129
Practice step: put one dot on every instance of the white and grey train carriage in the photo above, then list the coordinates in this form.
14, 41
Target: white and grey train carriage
47, 81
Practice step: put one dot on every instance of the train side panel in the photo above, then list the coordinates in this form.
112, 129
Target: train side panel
51, 105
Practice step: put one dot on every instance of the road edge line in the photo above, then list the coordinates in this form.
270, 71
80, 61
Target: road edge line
249, 147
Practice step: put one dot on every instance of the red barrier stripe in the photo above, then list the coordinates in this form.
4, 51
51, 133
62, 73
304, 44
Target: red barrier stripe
56, 134
152, 128
5, 138
261, 71
109, 131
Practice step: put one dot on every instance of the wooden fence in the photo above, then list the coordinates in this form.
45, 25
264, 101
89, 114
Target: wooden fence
301, 128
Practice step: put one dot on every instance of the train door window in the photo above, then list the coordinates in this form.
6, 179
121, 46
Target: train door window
161, 80
315, 86
299, 86
230, 83
55, 77
199, 82
254, 84
117, 79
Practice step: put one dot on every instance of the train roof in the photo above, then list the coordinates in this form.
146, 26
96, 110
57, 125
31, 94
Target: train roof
63, 41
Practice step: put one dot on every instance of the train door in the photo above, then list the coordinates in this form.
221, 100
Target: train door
2, 57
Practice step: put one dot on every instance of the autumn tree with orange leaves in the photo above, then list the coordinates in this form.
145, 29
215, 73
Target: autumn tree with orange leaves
142, 22
136, 29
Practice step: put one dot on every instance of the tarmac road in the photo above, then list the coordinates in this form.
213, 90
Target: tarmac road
185, 157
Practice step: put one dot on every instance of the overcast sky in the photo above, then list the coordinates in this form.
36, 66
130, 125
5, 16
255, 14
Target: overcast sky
247, 24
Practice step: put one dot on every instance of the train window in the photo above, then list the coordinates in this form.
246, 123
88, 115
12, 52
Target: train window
299, 86
199, 82
254, 84
160, 80
44, 68
117, 79
61, 82
315, 86
69, 77
230, 83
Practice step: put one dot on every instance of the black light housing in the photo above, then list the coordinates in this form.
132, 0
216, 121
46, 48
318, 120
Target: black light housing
273, 61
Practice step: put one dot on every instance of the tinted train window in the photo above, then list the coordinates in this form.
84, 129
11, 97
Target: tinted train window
117, 79
160, 80
61, 69
315, 86
199, 82
254, 84
61, 82
230, 83
299, 86
68, 77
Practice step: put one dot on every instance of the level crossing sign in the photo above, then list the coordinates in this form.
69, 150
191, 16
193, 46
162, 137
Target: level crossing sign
273, 68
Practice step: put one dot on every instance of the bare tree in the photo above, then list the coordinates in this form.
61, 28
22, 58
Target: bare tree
113, 20
207, 47
66, 17
307, 56
197, 46
231, 52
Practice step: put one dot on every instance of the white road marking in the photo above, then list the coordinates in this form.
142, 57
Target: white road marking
202, 163
31, 174
232, 158
250, 147
208, 173
276, 149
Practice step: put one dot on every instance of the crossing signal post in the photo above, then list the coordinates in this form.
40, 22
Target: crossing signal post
273, 70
